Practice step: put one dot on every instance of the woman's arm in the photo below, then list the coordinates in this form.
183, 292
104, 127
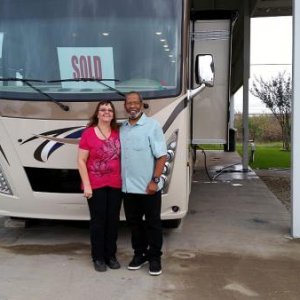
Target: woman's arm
81, 161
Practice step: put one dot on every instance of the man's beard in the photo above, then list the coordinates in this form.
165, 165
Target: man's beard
134, 116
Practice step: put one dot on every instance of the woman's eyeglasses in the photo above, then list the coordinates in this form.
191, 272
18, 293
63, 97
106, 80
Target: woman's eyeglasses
104, 110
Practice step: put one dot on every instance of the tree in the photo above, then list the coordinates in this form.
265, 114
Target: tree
276, 94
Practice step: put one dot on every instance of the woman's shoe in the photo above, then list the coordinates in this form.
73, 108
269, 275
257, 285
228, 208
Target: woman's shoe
113, 263
100, 265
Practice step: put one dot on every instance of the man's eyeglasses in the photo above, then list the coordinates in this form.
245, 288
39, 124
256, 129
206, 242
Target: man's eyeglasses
103, 110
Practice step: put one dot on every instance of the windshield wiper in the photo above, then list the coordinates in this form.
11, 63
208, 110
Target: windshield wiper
27, 82
100, 81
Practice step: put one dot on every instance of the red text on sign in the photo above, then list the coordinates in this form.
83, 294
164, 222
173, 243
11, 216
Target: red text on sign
86, 67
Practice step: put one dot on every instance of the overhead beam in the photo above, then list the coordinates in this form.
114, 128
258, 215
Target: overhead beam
271, 8
275, 3
253, 6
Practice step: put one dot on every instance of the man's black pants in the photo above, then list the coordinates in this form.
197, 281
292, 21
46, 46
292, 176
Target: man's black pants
104, 209
146, 235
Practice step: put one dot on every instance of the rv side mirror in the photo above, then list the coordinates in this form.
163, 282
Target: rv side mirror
205, 71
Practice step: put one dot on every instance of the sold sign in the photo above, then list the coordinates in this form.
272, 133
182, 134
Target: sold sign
86, 62
86, 67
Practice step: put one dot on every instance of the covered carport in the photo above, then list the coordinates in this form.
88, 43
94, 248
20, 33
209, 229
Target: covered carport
240, 71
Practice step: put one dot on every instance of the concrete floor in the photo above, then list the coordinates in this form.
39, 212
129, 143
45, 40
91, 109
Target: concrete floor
233, 244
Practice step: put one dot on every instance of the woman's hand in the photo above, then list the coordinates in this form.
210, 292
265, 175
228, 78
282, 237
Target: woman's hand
88, 192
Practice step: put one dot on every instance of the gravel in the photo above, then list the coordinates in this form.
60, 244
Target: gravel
279, 182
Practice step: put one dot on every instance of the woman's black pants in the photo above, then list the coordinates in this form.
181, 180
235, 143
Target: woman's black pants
104, 209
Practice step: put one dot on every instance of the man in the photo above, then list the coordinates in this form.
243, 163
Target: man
143, 155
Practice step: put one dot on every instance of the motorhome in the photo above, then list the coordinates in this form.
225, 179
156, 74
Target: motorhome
59, 58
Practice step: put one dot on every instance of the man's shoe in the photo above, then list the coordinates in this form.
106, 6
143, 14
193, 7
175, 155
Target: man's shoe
100, 265
155, 267
113, 263
137, 262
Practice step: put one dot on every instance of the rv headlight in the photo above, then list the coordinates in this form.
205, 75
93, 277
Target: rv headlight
168, 167
165, 182
173, 145
170, 155
4, 185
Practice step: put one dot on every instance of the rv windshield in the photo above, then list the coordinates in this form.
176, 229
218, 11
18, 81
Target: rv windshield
135, 44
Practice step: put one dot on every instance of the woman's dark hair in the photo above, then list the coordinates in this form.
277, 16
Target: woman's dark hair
94, 118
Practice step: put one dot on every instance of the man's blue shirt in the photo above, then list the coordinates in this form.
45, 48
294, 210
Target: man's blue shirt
141, 144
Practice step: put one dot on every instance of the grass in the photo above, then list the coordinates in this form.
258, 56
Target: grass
268, 156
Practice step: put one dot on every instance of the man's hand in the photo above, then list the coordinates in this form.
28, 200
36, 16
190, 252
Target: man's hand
151, 188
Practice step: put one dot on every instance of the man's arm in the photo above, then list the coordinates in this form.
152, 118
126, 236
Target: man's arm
158, 169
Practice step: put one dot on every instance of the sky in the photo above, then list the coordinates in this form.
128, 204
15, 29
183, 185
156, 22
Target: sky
270, 53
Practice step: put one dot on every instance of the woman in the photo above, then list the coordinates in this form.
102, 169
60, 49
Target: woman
99, 168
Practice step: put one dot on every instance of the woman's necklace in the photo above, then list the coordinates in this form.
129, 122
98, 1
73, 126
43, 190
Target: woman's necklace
105, 137
111, 143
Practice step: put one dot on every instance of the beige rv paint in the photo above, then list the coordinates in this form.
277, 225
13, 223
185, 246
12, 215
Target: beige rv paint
26, 203
45, 110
